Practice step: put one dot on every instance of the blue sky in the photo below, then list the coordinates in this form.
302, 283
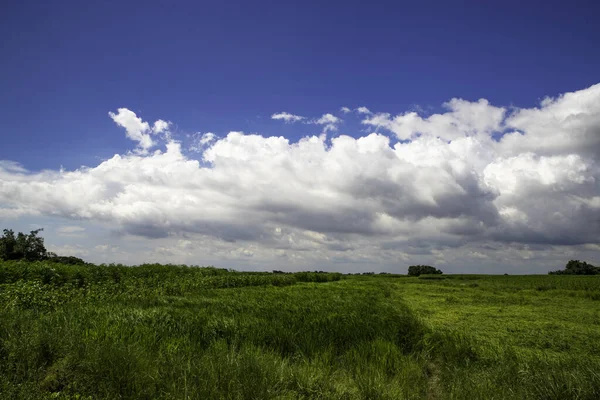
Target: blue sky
221, 66
229, 66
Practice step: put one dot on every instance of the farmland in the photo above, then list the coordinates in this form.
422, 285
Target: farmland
175, 332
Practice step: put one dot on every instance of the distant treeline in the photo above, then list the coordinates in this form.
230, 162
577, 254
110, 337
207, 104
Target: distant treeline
30, 247
576, 267
417, 270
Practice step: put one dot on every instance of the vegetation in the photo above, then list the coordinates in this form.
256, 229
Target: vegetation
75, 330
576, 267
31, 248
21, 246
416, 270
176, 332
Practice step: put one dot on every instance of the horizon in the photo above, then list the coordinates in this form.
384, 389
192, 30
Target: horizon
345, 139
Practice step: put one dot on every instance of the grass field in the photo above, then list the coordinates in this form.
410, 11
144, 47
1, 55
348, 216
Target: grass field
167, 332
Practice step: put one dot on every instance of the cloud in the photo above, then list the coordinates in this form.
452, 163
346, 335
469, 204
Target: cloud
363, 110
463, 118
287, 117
70, 231
329, 122
207, 138
327, 119
568, 124
160, 126
345, 110
12, 166
253, 184
201, 141
546, 199
138, 130
474, 181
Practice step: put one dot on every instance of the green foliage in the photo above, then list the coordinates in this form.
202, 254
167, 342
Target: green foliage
21, 246
576, 267
436, 277
68, 260
176, 332
416, 270
30, 248
317, 276
503, 337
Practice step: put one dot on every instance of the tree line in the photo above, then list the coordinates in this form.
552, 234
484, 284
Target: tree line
576, 267
30, 247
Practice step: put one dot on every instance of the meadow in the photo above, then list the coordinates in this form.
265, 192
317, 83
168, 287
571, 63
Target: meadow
176, 332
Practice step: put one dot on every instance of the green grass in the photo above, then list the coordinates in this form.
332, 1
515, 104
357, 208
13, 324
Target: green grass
534, 336
173, 332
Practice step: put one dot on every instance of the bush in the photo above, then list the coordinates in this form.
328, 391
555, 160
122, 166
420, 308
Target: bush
68, 260
416, 270
576, 267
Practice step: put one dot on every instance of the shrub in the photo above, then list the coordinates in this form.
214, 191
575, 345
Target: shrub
68, 260
576, 267
416, 270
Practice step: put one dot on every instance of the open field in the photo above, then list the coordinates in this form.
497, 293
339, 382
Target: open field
109, 332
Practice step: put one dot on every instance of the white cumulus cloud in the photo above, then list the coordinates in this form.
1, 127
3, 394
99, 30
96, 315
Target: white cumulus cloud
137, 129
463, 118
329, 122
287, 117
201, 141
160, 126
477, 182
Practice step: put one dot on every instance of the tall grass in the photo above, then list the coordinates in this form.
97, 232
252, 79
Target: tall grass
176, 332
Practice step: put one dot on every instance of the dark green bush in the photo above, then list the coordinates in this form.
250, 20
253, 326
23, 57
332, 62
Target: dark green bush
416, 270
576, 267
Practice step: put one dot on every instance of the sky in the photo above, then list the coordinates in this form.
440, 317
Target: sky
343, 136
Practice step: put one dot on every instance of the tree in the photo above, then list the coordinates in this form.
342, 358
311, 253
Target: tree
576, 267
28, 247
8, 242
70, 260
416, 270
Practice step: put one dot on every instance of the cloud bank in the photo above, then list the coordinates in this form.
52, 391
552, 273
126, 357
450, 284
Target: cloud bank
472, 182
